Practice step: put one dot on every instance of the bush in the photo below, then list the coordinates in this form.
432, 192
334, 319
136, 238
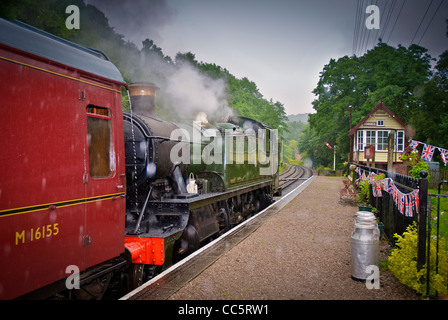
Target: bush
364, 192
403, 264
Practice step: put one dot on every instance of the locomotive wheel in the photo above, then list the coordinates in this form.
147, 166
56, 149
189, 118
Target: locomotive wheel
223, 220
140, 273
136, 273
187, 243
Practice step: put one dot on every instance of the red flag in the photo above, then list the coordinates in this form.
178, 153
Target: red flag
328, 145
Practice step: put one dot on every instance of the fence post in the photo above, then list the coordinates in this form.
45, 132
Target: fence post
422, 217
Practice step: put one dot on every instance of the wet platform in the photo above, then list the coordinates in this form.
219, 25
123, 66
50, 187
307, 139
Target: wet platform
299, 249
301, 252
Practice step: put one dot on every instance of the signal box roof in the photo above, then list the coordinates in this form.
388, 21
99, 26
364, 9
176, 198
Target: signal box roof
379, 106
30, 39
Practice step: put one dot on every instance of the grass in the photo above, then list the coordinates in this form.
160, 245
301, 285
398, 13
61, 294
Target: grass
443, 216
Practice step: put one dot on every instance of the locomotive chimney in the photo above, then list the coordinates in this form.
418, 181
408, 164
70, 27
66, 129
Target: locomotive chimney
143, 98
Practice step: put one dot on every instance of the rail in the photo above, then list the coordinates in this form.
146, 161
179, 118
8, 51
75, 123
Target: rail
292, 174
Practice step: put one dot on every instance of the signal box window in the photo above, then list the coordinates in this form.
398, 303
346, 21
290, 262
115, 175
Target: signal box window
99, 134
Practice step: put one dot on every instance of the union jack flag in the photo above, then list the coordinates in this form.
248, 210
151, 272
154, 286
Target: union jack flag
408, 206
417, 200
378, 189
371, 175
428, 152
390, 186
414, 144
444, 155
401, 203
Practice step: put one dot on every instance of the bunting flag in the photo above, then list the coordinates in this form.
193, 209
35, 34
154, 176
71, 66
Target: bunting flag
400, 202
406, 203
444, 155
417, 200
376, 189
414, 144
428, 152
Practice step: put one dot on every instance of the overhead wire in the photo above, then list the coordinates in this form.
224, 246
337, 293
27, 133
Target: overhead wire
359, 30
396, 19
365, 33
362, 35
389, 15
362, 30
418, 28
430, 22
370, 30
356, 29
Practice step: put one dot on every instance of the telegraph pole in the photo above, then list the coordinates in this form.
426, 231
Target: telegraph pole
351, 137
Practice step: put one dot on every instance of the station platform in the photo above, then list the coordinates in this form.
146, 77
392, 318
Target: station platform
302, 252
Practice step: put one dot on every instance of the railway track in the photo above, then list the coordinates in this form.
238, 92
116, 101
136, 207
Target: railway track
292, 174
172, 279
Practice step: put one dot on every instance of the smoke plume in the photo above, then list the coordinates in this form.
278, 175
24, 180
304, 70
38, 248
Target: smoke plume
184, 90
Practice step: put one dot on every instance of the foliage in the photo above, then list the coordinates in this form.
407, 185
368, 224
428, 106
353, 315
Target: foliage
400, 76
402, 262
289, 149
431, 118
411, 155
293, 130
416, 162
364, 192
364, 189
419, 166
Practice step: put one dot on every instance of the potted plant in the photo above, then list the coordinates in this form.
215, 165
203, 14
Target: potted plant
364, 196
378, 222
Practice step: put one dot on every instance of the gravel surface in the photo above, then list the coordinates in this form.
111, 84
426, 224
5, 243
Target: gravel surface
302, 252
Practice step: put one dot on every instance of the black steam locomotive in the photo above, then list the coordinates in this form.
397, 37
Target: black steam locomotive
231, 167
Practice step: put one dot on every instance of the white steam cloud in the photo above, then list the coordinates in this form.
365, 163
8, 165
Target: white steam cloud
184, 90
191, 92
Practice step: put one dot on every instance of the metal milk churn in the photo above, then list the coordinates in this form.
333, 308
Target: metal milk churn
364, 245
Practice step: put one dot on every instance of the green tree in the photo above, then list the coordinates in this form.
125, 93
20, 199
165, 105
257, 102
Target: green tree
431, 118
395, 75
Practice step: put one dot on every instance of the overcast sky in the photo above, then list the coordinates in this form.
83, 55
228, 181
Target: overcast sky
280, 45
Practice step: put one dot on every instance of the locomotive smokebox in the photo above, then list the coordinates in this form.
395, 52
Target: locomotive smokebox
143, 98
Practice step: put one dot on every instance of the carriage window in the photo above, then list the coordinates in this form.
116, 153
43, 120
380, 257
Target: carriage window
99, 135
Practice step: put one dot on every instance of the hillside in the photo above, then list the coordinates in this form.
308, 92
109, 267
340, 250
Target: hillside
300, 117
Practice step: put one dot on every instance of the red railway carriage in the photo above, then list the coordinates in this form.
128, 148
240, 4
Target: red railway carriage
62, 171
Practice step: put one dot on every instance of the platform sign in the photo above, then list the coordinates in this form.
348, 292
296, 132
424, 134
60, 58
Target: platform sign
368, 152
